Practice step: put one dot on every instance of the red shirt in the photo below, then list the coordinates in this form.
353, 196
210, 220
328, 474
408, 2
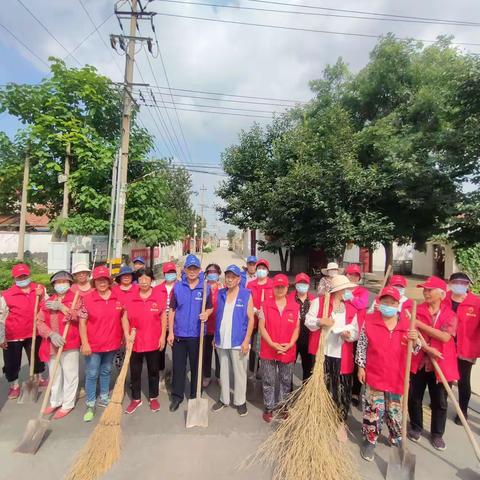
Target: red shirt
104, 322
83, 293
125, 295
214, 287
145, 314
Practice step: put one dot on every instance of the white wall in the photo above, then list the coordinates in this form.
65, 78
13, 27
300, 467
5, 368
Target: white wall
352, 254
423, 262
400, 252
35, 242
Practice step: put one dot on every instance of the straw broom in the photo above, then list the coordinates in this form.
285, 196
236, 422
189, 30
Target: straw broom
104, 446
305, 445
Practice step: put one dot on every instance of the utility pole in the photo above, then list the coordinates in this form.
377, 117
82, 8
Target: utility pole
194, 250
202, 206
66, 174
23, 209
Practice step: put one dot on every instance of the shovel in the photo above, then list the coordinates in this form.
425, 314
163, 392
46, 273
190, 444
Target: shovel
401, 464
197, 408
29, 393
36, 428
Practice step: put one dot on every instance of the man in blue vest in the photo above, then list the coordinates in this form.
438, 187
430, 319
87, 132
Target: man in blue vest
250, 273
184, 328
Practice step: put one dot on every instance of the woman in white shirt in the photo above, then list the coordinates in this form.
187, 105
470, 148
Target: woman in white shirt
341, 328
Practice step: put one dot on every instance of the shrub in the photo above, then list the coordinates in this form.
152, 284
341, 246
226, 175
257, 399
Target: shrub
468, 260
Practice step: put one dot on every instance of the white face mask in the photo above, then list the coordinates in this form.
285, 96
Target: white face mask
262, 273
61, 288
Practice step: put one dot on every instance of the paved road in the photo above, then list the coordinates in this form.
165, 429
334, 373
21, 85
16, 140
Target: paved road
158, 445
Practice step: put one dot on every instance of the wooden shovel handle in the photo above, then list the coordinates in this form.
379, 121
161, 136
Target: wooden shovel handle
200, 349
460, 414
406, 381
34, 336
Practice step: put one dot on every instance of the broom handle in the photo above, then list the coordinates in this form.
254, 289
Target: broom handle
57, 361
460, 414
34, 336
323, 335
200, 349
406, 381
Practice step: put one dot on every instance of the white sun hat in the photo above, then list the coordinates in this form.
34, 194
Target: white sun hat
80, 267
332, 266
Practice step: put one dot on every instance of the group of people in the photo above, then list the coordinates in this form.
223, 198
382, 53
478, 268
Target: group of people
253, 327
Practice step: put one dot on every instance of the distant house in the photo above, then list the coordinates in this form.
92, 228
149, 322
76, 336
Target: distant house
224, 243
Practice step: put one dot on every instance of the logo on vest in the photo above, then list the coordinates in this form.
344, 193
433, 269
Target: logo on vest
290, 318
198, 296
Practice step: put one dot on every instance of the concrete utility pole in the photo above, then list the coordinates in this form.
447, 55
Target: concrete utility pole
23, 209
202, 206
194, 249
66, 174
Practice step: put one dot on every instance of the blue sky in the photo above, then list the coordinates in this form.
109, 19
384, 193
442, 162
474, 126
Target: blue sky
215, 57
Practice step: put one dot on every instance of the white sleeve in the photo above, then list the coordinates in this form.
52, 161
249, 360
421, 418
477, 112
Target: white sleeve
311, 319
3, 310
353, 329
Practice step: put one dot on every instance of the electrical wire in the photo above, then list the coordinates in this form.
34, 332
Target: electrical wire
210, 111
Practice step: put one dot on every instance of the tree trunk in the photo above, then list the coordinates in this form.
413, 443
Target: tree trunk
290, 266
151, 257
388, 255
283, 259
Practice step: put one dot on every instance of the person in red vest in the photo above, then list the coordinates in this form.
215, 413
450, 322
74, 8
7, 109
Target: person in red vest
51, 320
303, 298
400, 283
17, 309
146, 312
125, 289
438, 325
101, 334
383, 341
467, 307
342, 325
279, 327
262, 289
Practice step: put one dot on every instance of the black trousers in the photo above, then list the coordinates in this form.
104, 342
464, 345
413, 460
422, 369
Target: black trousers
305, 357
183, 348
12, 358
357, 386
464, 388
252, 358
207, 358
438, 402
153, 367
338, 385
162, 359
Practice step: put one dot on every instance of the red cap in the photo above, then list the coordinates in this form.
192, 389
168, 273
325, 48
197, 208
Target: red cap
169, 267
262, 261
434, 282
302, 278
353, 269
101, 272
390, 292
398, 281
20, 269
280, 280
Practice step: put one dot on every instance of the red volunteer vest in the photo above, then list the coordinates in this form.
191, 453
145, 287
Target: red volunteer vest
386, 353
468, 328
104, 322
347, 363
19, 321
145, 314
257, 294
281, 329
448, 364
73, 336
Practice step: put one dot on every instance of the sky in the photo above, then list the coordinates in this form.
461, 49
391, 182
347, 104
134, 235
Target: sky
217, 57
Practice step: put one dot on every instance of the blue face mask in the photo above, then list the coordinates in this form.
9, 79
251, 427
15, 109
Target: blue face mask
262, 273
61, 288
347, 295
212, 277
458, 289
388, 311
170, 277
23, 283
401, 291
302, 287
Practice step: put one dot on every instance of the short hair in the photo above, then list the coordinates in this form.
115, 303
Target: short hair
145, 271
215, 266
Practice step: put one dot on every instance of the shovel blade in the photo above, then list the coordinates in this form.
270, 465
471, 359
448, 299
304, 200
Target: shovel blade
29, 392
197, 413
33, 436
401, 465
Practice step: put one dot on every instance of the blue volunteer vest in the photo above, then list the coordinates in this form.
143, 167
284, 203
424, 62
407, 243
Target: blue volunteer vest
240, 316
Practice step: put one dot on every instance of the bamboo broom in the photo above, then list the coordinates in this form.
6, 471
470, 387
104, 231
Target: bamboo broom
305, 445
104, 446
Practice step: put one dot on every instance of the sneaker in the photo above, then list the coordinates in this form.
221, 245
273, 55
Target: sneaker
438, 443
134, 404
62, 413
49, 410
174, 404
42, 382
368, 451
282, 414
206, 382
154, 405
14, 392
89, 414
414, 435
218, 406
267, 416
458, 421
103, 402
242, 410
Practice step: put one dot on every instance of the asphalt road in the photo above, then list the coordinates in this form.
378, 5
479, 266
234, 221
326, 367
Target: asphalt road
157, 446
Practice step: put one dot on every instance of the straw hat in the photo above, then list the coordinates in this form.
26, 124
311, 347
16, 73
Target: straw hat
340, 282
331, 266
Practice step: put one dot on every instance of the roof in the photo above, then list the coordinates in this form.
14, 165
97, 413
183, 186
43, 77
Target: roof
34, 222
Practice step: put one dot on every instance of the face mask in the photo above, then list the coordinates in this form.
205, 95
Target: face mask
388, 311
347, 295
170, 277
22, 283
302, 287
262, 273
212, 277
401, 291
458, 289
61, 288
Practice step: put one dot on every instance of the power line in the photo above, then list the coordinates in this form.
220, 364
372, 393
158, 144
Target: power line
318, 14
302, 29
47, 29
211, 111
